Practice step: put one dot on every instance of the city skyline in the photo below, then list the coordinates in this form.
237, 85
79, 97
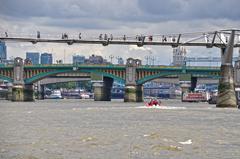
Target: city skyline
92, 18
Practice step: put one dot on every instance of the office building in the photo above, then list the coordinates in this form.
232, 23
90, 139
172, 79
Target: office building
33, 57
77, 59
179, 56
95, 59
120, 61
46, 58
3, 51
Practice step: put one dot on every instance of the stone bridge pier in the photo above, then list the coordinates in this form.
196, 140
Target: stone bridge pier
102, 89
133, 91
20, 90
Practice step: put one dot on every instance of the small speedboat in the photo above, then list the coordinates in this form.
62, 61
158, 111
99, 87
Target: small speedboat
153, 103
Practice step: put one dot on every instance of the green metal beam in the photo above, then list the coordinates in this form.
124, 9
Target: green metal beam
43, 75
46, 74
164, 74
6, 78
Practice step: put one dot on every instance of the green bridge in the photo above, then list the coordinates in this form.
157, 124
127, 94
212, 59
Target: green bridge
133, 74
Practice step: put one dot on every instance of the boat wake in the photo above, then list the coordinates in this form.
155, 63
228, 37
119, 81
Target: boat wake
161, 107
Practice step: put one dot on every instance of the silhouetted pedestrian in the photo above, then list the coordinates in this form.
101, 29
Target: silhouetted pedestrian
124, 37
65, 36
111, 37
150, 38
164, 38
100, 37
38, 34
80, 36
105, 36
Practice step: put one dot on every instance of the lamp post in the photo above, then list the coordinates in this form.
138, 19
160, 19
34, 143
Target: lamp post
111, 57
147, 59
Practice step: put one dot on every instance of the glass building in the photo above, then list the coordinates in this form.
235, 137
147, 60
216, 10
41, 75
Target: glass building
179, 56
78, 59
46, 58
3, 51
33, 56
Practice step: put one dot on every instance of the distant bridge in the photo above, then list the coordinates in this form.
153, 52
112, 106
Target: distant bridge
34, 73
133, 74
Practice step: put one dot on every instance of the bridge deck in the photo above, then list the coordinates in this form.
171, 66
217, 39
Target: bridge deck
115, 42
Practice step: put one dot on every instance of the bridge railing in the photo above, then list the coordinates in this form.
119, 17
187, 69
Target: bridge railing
209, 38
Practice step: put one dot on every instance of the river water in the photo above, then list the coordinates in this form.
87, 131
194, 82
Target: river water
74, 129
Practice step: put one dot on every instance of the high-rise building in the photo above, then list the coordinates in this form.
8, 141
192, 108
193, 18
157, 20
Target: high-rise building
120, 61
95, 59
33, 56
46, 58
179, 56
77, 59
3, 51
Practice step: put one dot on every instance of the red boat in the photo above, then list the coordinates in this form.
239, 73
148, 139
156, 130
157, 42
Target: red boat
153, 102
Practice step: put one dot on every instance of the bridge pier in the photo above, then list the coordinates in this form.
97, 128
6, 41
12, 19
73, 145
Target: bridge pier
193, 83
226, 90
22, 93
17, 93
133, 93
20, 90
102, 90
28, 92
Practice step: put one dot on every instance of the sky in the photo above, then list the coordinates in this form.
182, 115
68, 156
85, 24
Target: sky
116, 17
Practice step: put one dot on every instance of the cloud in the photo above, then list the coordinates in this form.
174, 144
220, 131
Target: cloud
161, 10
120, 10
117, 17
134, 47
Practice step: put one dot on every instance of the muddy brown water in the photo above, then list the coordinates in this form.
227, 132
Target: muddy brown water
75, 128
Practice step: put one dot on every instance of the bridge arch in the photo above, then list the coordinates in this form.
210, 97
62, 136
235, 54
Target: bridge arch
164, 74
6, 78
46, 74
104, 74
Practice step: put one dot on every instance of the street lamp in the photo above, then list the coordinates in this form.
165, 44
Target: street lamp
111, 57
147, 58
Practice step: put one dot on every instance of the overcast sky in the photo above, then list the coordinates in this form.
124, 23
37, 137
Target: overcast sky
117, 17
